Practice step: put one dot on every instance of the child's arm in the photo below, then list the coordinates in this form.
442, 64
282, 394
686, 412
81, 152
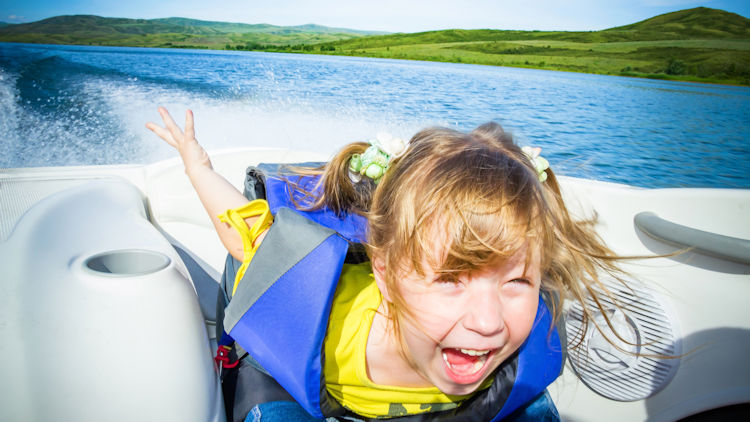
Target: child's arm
216, 193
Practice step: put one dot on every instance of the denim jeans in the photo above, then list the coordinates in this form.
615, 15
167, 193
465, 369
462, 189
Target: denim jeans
541, 409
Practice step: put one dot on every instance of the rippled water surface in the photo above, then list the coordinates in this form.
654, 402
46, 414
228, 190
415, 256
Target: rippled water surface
68, 105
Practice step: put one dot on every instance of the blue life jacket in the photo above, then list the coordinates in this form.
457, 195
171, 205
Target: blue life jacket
279, 313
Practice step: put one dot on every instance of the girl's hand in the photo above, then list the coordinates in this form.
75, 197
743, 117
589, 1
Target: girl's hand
216, 193
192, 154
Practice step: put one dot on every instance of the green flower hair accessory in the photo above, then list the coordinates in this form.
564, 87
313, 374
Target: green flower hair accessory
540, 163
374, 162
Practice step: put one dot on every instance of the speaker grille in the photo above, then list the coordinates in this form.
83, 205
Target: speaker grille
634, 367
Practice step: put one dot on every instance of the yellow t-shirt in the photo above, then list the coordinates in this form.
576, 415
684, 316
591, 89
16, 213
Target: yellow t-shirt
345, 368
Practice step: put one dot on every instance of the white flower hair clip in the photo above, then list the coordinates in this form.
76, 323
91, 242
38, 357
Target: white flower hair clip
540, 163
374, 162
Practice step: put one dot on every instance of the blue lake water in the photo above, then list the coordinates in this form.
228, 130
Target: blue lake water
70, 105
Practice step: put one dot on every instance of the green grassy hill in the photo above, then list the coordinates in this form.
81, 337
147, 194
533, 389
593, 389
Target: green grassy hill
701, 44
701, 22
169, 32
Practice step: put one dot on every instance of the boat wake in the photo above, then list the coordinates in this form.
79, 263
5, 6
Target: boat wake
58, 112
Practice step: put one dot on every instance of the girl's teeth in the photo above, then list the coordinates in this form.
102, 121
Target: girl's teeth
474, 352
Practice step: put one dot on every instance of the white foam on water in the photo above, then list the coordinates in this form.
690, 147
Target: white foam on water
106, 123
36, 132
8, 116
239, 122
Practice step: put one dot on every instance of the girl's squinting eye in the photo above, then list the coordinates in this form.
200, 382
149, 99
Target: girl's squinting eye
447, 279
520, 281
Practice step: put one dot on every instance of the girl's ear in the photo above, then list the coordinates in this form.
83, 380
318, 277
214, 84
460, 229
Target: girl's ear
378, 270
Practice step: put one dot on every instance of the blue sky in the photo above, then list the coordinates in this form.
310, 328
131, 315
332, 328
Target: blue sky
383, 15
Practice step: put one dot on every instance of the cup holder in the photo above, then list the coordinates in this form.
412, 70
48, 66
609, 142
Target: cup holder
127, 263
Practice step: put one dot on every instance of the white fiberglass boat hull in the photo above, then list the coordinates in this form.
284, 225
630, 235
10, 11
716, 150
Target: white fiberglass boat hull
110, 276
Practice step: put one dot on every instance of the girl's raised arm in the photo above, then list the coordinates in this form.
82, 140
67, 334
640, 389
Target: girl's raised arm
216, 193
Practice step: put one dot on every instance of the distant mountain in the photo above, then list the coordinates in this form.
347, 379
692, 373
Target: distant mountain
175, 32
697, 23
263, 27
700, 22
690, 24
97, 25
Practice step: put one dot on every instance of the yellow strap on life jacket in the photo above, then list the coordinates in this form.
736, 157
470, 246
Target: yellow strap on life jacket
236, 218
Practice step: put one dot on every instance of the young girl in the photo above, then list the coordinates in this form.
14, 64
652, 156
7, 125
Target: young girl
470, 251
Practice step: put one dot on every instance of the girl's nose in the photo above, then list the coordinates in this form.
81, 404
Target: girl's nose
484, 312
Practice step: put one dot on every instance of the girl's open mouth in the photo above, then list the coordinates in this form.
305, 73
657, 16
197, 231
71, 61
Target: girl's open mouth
466, 366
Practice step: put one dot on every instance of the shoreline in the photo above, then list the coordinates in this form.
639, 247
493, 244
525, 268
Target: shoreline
657, 76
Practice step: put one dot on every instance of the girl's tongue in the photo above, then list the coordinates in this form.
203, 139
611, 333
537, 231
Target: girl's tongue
462, 364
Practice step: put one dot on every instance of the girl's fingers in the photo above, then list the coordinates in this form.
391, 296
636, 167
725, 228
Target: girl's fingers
162, 133
189, 125
170, 124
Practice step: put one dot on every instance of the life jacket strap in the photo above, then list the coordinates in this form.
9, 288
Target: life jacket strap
236, 218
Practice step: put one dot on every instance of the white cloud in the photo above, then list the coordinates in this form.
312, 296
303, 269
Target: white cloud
15, 18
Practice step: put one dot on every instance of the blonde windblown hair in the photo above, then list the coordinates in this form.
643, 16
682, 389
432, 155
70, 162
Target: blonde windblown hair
484, 195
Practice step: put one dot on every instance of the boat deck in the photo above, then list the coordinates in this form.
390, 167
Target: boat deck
704, 296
